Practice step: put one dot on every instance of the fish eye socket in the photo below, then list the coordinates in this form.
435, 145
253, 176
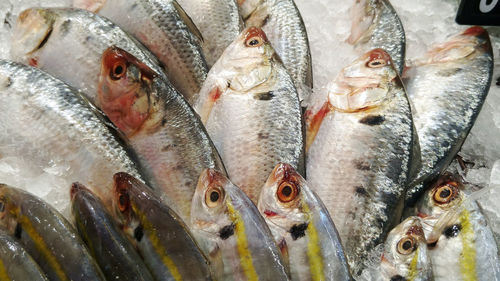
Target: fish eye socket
376, 63
123, 202
406, 246
444, 194
287, 191
118, 71
214, 196
254, 42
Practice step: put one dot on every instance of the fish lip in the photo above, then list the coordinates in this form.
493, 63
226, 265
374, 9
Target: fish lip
33, 28
75, 188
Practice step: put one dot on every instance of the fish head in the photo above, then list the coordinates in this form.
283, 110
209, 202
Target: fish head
364, 84
405, 250
126, 91
281, 198
467, 44
35, 27
364, 15
126, 189
247, 63
89, 5
11, 200
247, 7
209, 208
445, 194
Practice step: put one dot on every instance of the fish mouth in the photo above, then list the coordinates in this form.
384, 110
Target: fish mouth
75, 188
33, 29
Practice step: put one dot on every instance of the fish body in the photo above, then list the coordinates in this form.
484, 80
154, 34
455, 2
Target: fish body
360, 141
219, 22
251, 111
122, 78
461, 242
283, 24
16, 263
163, 27
375, 24
405, 255
302, 225
447, 88
160, 235
47, 236
54, 136
105, 240
232, 232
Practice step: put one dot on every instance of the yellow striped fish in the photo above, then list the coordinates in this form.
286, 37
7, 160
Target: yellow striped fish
299, 220
161, 237
232, 233
461, 241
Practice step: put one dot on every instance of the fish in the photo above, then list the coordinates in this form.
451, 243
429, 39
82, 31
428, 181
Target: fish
47, 236
232, 232
105, 240
359, 150
164, 28
219, 22
461, 243
447, 88
405, 254
52, 136
159, 125
159, 234
156, 122
251, 111
300, 222
16, 263
375, 24
283, 24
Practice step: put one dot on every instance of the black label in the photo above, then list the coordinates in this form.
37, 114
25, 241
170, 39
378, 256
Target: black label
479, 12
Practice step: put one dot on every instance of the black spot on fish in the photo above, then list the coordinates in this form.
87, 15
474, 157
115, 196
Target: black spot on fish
397, 278
298, 231
138, 233
226, 232
18, 231
264, 96
498, 81
372, 120
264, 22
163, 122
7, 20
263, 136
452, 231
361, 191
65, 27
361, 165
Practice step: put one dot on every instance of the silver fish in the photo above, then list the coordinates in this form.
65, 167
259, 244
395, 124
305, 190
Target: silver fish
163, 27
283, 24
447, 87
460, 240
107, 243
120, 77
232, 233
360, 141
47, 236
219, 22
375, 24
251, 111
160, 235
405, 255
16, 263
302, 225
52, 136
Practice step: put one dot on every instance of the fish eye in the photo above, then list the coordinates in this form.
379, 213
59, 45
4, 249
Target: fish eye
118, 71
444, 194
214, 196
123, 201
287, 191
254, 41
406, 246
376, 63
